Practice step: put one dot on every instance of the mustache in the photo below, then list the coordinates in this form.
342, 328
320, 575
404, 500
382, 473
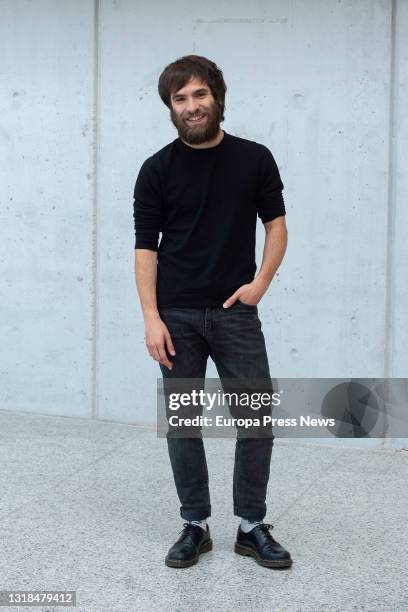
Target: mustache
196, 115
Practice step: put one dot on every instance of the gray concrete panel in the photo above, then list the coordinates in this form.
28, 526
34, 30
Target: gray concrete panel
47, 206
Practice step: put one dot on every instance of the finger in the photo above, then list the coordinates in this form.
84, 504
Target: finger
169, 344
231, 300
150, 349
154, 353
163, 357
158, 354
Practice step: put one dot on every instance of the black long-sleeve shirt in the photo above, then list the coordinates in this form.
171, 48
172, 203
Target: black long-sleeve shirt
205, 203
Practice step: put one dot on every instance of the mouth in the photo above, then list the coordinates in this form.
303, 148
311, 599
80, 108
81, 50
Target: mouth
196, 120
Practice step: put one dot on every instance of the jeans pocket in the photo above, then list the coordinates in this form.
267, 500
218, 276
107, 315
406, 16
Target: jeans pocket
252, 307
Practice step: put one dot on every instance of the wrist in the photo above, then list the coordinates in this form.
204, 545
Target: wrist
151, 316
262, 281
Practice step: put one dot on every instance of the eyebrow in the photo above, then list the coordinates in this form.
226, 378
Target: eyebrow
197, 91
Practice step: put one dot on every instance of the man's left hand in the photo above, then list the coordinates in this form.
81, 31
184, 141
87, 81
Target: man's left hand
249, 294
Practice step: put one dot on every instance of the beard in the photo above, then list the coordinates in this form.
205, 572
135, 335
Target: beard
197, 134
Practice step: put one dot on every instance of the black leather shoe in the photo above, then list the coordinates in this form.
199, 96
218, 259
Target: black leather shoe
192, 542
259, 543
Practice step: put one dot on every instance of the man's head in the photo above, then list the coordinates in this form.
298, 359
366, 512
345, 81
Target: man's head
193, 86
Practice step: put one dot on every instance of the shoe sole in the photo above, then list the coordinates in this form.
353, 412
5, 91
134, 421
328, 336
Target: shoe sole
204, 547
248, 552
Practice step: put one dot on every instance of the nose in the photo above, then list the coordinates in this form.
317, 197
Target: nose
192, 106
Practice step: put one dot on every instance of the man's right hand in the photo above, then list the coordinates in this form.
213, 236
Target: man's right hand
157, 340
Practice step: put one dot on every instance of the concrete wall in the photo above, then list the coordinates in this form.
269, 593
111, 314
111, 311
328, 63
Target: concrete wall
322, 83
47, 194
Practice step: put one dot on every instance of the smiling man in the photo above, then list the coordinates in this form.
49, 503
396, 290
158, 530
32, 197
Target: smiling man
199, 292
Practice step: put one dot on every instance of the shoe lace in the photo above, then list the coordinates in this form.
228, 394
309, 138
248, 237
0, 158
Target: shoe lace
187, 529
265, 527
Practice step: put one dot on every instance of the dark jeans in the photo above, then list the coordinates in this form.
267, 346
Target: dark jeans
234, 340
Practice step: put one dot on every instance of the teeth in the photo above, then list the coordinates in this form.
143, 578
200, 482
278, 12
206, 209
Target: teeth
196, 118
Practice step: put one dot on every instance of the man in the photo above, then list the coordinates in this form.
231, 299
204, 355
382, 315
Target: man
198, 289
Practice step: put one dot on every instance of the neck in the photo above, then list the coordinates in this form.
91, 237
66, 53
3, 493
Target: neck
208, 143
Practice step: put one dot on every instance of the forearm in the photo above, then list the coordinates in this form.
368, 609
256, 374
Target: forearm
146, 277
276, 240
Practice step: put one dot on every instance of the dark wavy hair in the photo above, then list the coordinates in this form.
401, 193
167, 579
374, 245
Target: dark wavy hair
177, 74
